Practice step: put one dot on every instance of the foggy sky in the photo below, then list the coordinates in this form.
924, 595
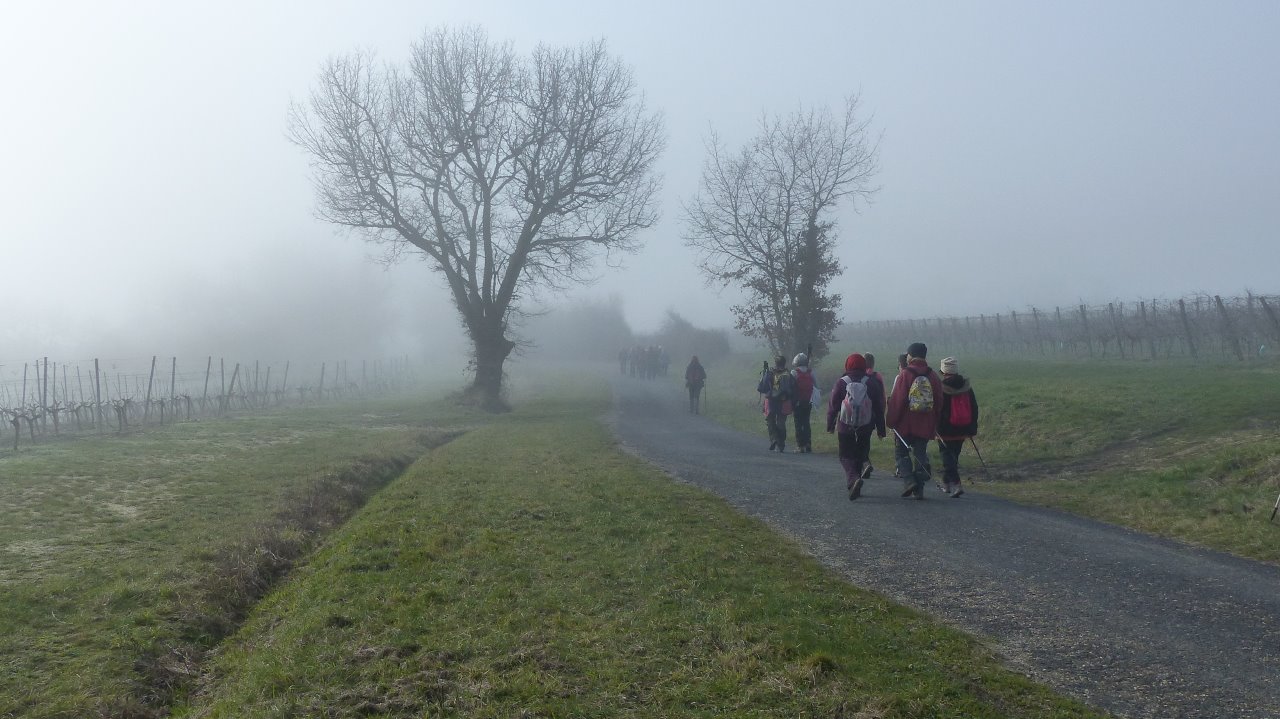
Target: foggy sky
1031, 155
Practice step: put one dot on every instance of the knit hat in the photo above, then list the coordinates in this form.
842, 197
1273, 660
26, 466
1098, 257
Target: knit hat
917, 350
950, 366
855, 361
801, 360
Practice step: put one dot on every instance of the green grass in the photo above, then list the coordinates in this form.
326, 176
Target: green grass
1183, 450
113, 550
532, 569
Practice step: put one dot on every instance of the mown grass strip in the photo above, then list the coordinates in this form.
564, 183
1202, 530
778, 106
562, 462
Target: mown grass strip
532, 569
125, 559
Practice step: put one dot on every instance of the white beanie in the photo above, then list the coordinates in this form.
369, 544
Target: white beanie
950, 366
801, 360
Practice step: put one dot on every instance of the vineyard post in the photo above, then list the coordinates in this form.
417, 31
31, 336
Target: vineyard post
222, 398
1275, 322
284, 384
266, 387
1146, 328
1000, 345
1035, 316
1115, 327
364, 375
1186, 326
234, 373
44, 396
320, 392
204, 398
1088, 338
146, 408
173, 382
1228, 331
97, 394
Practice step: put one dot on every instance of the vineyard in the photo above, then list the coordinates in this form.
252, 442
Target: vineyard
1199, 326
47, 398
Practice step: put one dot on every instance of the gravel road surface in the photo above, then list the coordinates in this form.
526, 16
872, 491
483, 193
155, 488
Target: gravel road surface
1133, 624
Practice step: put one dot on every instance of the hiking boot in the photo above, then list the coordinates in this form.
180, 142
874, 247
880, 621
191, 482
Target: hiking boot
856, 490
957, 493
909, 491
782, 449
773, 445
866, 471
918, 494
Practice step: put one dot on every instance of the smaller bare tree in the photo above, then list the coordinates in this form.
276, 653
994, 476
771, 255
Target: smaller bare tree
762, 221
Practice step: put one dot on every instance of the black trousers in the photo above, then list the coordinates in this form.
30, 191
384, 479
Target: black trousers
804, 435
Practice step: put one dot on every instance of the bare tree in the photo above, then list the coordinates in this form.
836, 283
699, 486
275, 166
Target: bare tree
508, 173
762, 221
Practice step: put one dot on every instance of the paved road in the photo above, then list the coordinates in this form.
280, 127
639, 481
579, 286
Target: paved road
1136, 625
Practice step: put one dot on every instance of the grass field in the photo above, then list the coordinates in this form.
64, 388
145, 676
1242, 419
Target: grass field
525, 568
1178, 449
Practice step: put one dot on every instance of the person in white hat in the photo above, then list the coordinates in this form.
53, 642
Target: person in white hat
959, 421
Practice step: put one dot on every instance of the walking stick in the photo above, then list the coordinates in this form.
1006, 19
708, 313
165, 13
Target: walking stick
704, 397
986, 472
909, 453
1275, 509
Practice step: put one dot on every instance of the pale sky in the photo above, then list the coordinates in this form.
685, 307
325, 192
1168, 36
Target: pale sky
1032, 154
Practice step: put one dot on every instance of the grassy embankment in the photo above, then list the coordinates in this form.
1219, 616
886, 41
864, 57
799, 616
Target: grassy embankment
1173, 448
528, 568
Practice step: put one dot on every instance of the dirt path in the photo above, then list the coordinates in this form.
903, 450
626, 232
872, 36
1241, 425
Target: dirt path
1133, 624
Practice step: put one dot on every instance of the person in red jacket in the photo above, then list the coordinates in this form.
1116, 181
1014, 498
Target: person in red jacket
914, 410
959, 421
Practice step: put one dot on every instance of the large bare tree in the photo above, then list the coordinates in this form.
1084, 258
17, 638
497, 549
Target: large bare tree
762, 221
509, 173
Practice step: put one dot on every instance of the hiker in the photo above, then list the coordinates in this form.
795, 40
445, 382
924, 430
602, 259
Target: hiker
806, 390
622, 361
855, 410
776, 386
871, 372
958, 422
914, 408
694, 378
899, 450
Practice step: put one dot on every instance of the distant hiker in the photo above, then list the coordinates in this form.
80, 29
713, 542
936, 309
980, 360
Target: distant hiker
776, 386
855, 409
623, 355
958, 422
902, 364
805, 391
695, 377
914, 409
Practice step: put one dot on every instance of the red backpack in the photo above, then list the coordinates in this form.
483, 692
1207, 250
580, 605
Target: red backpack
961, 410
804, 386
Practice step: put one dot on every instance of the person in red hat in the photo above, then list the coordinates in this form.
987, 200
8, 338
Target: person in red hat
855, 410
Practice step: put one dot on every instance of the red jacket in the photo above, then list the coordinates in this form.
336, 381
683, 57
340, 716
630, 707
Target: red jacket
918, 425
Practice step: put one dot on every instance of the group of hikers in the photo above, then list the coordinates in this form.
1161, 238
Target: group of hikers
645, 362
918, 408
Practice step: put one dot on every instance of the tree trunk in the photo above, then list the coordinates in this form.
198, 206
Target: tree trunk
491, 351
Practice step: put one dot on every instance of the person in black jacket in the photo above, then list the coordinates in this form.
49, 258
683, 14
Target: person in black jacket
959, 422
695, 377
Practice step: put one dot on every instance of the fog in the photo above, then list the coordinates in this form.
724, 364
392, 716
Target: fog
1030, 155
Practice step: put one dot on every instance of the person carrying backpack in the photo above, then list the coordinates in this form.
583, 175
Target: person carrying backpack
694, 378
914, 410
959, 421
856, 408
805, 390
777, 388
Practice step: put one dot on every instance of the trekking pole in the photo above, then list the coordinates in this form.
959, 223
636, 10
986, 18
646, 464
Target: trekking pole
987, 473
909, 452
1275, 509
